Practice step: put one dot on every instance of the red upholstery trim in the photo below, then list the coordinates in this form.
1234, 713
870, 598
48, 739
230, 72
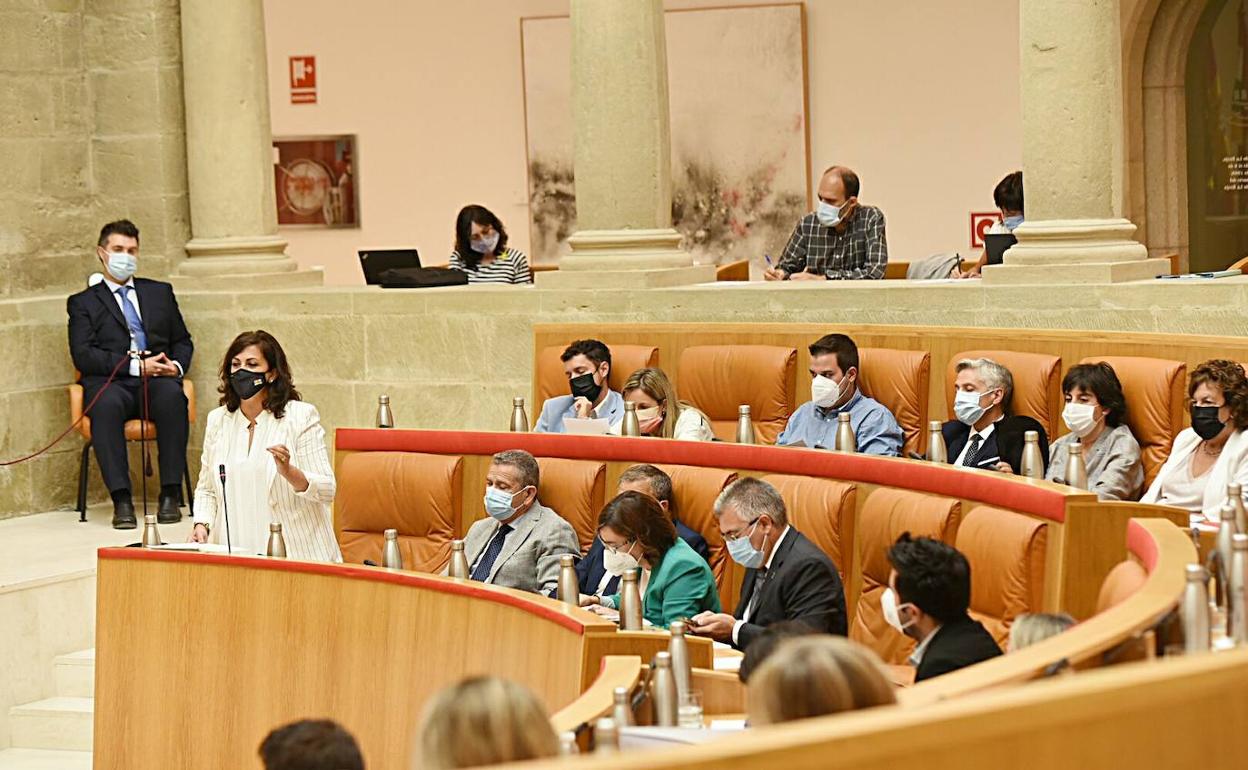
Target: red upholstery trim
479, 591
1142, 544
991, 488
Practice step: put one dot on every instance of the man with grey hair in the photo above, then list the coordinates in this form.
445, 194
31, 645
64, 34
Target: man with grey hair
787, 577
519, 543
985, 435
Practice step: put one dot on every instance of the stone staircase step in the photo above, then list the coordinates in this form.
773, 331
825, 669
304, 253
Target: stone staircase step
75, 674
61, 723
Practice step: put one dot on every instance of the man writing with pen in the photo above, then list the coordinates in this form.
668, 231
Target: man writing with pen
841, 240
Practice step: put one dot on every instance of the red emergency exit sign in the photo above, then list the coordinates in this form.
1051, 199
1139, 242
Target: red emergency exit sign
303, 80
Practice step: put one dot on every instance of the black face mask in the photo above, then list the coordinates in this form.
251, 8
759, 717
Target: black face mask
247, 383
1205, 421
585, 387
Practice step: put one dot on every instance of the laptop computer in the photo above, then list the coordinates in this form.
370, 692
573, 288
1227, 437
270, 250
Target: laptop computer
996, 244
374, 262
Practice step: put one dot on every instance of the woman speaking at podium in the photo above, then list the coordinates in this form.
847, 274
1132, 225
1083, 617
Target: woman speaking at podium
272, 446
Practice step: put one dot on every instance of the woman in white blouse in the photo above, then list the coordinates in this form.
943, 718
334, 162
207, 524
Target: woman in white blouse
659, 413
1214, 451
273, 448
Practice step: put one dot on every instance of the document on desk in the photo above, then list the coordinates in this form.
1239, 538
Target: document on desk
201, 548
576, 426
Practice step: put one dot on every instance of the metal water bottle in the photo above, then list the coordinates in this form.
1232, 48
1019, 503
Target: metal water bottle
391, 556
569, 588
678, 648
151, 536
663, 690
937, 452
385, 417
276, 547
606, 736
1194, 610
1076, 471
1032, 462
630, 602
1239, 590
458, 567
630, 426
745, 425
622, 709
519, 419
1219, 561
1235, 493
567, 744
845, 441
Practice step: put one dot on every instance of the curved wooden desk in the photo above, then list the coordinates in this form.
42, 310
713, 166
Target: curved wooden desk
199, 656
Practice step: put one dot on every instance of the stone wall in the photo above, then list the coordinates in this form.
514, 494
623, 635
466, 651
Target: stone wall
91, 129
454, 358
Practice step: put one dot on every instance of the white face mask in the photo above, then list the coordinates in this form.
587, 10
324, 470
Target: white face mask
121, 265
1080, 418
484, 245
892, 615
646, 415
825, 391
618, 562
827, 214
966, 406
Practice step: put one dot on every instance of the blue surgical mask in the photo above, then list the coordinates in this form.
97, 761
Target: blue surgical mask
827, 214
1012, 222
743, 551
121, 265
966, 406
484, 245
498, 503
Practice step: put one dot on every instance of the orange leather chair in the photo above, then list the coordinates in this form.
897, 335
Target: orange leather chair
718, 379
899, 379
822, 510
1006, 551
417, 494
576, 490
1037, 384
625, 359
694, 490
1121, 582
885, 515
1156, 395
135, 430
733, 271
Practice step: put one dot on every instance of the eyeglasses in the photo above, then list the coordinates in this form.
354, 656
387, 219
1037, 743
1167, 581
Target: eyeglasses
744, 531
625, 547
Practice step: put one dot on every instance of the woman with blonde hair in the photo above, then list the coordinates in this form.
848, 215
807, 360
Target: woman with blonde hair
481, 721
813, 676
659, 412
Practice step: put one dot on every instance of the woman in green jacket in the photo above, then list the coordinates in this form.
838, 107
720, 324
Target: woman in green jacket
676, 583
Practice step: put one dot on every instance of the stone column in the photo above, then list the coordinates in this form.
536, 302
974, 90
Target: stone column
622, 156
1073, 151
229, 151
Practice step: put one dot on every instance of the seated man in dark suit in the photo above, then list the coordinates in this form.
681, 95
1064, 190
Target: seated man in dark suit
787, 576
985, 435
929, 591
123, 317
647, 479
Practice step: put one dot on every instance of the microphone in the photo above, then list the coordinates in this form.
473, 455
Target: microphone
226, 507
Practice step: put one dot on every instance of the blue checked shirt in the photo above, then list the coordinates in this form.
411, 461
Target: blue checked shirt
859, 252
876, 431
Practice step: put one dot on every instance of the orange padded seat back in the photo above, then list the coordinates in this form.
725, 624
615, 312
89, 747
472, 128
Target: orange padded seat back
899, 379
822, 510
1121, 582
576, 490
695, 490
625, 359
718, 379
417, 494
1037, 384
1156, 395
885, 515
1006, 552
134, 430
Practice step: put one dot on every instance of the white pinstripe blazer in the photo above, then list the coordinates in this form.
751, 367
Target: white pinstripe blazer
306, 517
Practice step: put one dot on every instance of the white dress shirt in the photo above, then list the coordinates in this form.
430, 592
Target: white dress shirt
758, 587
916, 657
984, 434
133, 296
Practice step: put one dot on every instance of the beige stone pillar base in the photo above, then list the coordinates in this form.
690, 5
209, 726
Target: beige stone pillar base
625, 259
1075, 251
218, 264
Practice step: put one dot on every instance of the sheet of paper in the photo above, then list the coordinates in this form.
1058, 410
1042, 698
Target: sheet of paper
575, 426
728, 662
727, 724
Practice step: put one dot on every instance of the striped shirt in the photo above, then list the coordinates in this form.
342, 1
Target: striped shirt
512, 266
859, 252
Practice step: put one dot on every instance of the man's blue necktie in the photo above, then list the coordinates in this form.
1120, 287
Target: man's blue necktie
482, 570
132, 318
